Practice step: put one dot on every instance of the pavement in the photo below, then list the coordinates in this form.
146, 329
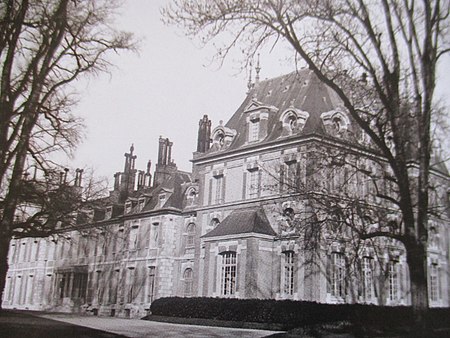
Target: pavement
29, 324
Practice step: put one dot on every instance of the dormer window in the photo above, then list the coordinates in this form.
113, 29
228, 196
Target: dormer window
128, 207
222, 137
191, 195
108, 213
293, 121
253, 134
162, 200
337, 120
141, 204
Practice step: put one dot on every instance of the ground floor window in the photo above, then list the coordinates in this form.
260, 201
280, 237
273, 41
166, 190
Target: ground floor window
188, 278
367, 278
434, 283
72, 284
337, 278
151, 283
228, 273
288, 273
393, 275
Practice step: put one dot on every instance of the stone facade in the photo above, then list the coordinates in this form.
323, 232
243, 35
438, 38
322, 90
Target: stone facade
231, 227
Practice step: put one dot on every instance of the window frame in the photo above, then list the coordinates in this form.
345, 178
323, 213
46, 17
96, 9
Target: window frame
288, 273
228, 273
188, 278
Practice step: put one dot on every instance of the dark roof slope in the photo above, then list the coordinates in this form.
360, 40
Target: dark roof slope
300, 90
242, 222
174, 186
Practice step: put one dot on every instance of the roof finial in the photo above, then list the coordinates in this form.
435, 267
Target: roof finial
258, 69
249, 83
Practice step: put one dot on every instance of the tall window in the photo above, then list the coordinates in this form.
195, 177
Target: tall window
337, 277
79, 285
131, 287
393, 281
151, 283
190, 234
228, 274
253, 183
290, 176
187, 276
288, 273
367, 278
218, 189
434, 282
253, 130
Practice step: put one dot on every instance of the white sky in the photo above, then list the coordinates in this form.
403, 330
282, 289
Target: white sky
164, 90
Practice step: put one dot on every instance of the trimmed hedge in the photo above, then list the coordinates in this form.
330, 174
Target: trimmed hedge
291, 313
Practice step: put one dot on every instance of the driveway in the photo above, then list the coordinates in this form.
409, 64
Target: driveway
143, 328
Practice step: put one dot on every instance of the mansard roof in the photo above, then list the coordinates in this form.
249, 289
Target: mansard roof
300, 90
242, 222
173, 186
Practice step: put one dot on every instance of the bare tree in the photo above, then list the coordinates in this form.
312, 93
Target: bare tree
44, 47
379, 57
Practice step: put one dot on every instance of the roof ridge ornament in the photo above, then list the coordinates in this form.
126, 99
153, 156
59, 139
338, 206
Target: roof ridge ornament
257, 69
249, 83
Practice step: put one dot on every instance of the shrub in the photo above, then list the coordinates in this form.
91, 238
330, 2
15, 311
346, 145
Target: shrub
290, 313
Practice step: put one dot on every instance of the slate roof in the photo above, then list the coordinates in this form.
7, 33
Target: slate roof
242, 222
300, 90
174, 188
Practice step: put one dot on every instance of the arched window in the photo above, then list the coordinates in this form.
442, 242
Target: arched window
228, 269
190, 229
188, 278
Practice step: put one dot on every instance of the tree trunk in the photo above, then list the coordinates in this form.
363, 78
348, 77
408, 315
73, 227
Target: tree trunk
417, 262
4, 247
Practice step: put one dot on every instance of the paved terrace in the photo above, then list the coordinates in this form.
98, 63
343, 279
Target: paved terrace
35, 324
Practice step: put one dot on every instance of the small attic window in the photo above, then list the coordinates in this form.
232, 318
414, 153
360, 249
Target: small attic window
162, 199
253, 134
293, 121
141, 204
214, 222
108, 213
286, 88
336, 120
338, 123
128, 207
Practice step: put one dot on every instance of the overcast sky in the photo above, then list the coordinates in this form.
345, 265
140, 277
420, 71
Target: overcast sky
164, 90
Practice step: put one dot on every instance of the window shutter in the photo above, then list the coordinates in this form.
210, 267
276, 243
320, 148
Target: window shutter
244, 185
282, 177
361, 278
298, 178
223, 188
438, 281
210, 191
402, 281
328, 277
259, 182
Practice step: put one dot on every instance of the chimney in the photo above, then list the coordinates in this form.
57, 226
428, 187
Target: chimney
117, 181
78, 175
148, 175
140, 182
161, 149
204, 134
